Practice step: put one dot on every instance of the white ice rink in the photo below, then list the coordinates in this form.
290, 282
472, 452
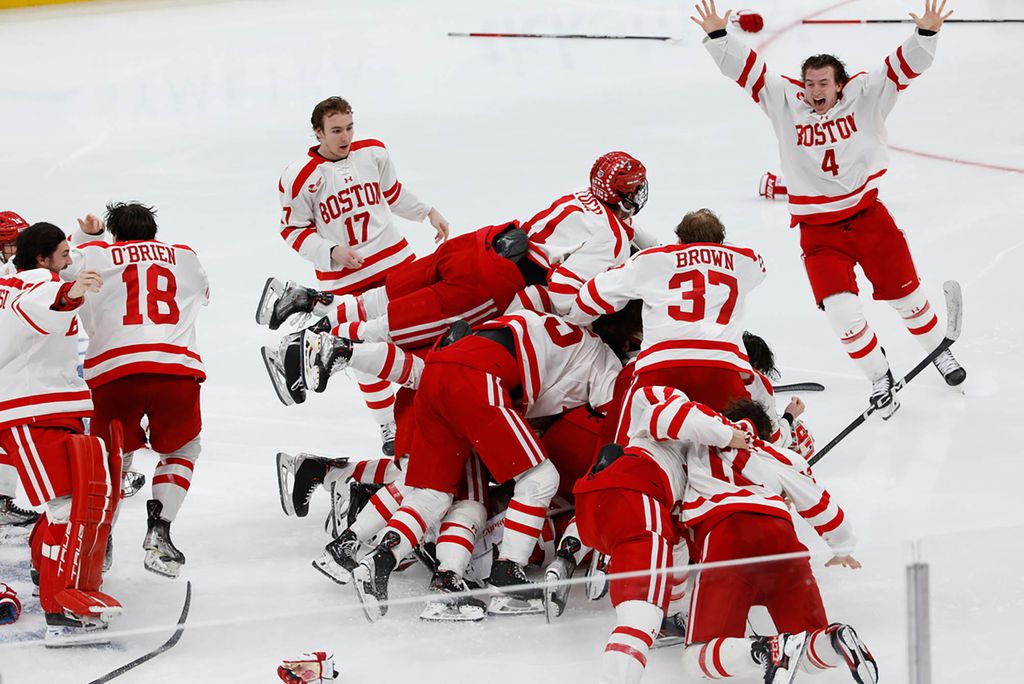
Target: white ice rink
196, 107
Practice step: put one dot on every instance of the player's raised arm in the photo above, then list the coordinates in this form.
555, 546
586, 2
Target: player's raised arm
734, 59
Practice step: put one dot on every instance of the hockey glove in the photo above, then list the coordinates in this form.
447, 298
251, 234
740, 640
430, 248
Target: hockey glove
771, 187
317, 666
10, 606
802, 441
749, 20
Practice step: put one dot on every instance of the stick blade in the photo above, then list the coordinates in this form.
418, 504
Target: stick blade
954, 309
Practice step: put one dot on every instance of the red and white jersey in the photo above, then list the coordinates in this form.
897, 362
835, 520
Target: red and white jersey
832, 162
576, 238
760, 389
39, 351
721, 481
143, 318
693, 303
562, 365
668, 438
347, 202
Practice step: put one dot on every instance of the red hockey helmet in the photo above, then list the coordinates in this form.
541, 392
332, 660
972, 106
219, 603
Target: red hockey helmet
10, 226
619, 179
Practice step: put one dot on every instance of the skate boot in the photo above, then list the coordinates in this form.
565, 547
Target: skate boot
672, 632
952, 372
298, 476
387, 438
162, 557
280, 301
132, 482
597, 573
359, 495
523, 600
371, 577
323, 355
779, 655
848, 645
63, 631
14, 516
883, 395
451, 605
556, 595
339, 559
284, 366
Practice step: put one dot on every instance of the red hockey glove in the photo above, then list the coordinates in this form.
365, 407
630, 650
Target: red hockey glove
771, 186
309, 667
10, 606
802, 441
749, 20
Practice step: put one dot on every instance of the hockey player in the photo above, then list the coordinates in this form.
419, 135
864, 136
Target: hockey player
143, 360
13, 518
42, 404
787, 430
624, 509
735, 508
591, 230
832, 140
337, 203
694, 294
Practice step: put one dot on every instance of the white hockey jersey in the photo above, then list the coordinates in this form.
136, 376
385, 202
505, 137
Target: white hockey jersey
723, 481
347, 202
38, 351
693, 303
576, 238
143, 318
832, 162
562, 365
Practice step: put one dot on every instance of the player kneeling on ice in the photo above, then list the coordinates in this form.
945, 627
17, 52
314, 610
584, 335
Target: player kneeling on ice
735, 508
42, 404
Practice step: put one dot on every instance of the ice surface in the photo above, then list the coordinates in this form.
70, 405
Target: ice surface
197, 107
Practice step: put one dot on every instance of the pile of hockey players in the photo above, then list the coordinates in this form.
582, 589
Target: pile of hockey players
69, 429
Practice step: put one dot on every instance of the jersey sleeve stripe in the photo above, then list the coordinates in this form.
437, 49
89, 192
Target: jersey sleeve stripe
907, 71
755, 92
394, 193
546, 232
891, 73
596, 297
751, 59
546, 212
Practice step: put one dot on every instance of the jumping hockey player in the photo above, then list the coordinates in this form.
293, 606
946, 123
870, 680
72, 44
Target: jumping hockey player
337, 203
833, 165
42, 404
143, 360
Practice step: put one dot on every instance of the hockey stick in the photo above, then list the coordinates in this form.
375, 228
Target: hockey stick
954, 318
158, 650
911, 21
799, 387
587, 36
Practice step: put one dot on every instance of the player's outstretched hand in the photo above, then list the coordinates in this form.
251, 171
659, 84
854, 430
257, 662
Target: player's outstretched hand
87, 281
708, 17
933, 15
343, 256
92, 225
795, 407
845, 561
440, 224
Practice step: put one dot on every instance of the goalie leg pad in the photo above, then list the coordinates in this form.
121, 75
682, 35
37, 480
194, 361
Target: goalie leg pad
93, 500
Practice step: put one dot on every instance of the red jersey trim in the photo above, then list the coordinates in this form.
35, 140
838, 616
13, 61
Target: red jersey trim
139, 348
363, 144
53, 397
376, 258
824, 199
306, 172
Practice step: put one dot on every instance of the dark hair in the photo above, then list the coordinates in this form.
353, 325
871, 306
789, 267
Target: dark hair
619, 328
822, 61
329, 106
761, 356
747, 409
131, 221
38, 240
702, 225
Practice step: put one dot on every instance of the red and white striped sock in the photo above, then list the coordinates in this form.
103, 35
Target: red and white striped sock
459, 529
378, 512
625, 655
344, 309
921, 320
173, 477
379, 397
380, 471
523, 525
846, 315
820, 654
421, 510
386, 361
719, 659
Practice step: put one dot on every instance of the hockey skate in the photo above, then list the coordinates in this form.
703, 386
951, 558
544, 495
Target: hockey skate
597, 574
282, 300
162, 557
284, 366
387, 438
298, 476
883, 395
337, 517
556, 592
952, 372
14, 520
323, 355
63, 631
132, 482
451, 605
339, 559
848, 645
371, 576
515, 599
672, 632
779, 655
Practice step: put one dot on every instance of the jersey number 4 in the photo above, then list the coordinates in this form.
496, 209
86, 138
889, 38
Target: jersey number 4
693, 286
828, 162
159, 295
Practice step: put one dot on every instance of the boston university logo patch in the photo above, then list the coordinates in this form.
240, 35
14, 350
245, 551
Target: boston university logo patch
313, 187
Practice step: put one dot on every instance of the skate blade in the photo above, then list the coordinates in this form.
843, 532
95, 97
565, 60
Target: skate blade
664, 642
310, 355
71, 637
372, 608
265, 308
285, 481
554, 605
328, 567
796, 656
510, 605
160, 566
276, 377
439, 611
